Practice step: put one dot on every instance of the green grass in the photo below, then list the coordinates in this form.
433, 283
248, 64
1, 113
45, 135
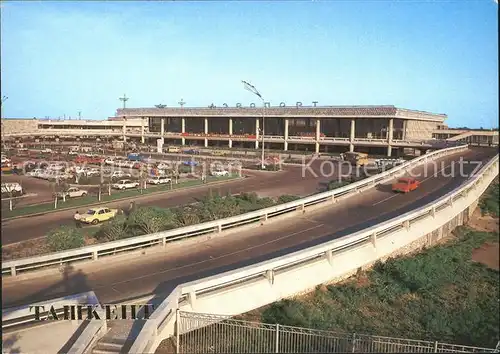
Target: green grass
440, 294
115, 196
490, 203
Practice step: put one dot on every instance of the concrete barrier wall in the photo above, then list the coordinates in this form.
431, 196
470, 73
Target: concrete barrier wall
251, 287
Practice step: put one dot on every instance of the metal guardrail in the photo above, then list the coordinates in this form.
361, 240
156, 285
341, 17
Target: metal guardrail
166, 311
110, 248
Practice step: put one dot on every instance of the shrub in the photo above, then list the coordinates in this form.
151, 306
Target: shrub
65, 238
187, 215
149, 220
337, 184
489, 204
287, 198
115, 229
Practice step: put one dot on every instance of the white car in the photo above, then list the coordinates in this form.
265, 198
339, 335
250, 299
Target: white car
220, 173
14, 189
73, 153
34, 173
5, 160
109, 161
45, 174
158, 180
164, 166
125, 184
92, 172
73, 192
56, 167
47, 150
120, 174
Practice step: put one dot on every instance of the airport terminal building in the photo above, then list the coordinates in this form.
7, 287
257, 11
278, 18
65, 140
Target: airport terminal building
372, 129
315, 129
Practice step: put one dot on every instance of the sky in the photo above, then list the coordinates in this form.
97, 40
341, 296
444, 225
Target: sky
61, 58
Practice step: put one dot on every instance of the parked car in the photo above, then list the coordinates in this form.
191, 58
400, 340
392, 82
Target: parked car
73, 192
405, 185
45, 174
56, 167
192, 151
158, 180
125, 184
190, 163
90, 172
163, 166
173, 149
109, 161
14, 189
96, 215
220, 173
47, 150
120, 174
35, 173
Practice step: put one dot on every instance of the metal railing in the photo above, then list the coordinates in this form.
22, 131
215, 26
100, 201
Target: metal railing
161, 238
165, 313
204, 333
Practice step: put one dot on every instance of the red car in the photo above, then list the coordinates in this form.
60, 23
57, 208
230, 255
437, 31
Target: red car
405, 185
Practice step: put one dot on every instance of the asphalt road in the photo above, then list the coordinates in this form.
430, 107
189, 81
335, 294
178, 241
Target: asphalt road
289, 181
162, 269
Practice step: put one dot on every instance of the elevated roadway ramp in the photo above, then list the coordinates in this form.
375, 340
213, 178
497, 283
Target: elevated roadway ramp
133, 275
476, 137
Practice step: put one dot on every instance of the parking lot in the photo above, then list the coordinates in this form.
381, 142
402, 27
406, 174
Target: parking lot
43, 175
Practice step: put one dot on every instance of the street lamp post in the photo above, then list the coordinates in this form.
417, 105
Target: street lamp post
4, 98
253, 90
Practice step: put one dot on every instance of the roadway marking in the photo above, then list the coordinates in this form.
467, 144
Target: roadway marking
386, 199
213, 258
426, 179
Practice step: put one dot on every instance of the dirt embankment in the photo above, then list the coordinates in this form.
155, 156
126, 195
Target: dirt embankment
488, 253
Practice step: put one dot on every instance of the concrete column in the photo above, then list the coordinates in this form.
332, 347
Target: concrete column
403, 137
206, 132
257, 134
390, 133
318, 134
286, 135
352, 135
183, 129
230, 132
124, 130
142, 130
162, 129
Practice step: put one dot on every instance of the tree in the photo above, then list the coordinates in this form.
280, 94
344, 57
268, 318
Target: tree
65, 238
62, 188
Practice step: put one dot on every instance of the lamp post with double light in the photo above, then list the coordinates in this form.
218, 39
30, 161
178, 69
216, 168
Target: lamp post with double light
253, 90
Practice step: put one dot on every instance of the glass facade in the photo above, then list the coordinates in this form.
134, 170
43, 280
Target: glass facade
243, 126
195, 125
301, 126
335, 127
330, 127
